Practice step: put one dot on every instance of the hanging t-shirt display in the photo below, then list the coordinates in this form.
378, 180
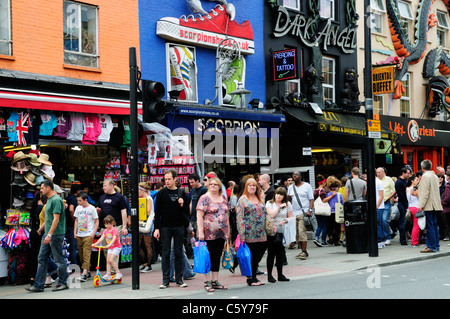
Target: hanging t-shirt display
93, 128
11, 126
116, 136
126, 132
33, 132
4, 115
64, 124
107, 126
78, 128
22, 127
49, 123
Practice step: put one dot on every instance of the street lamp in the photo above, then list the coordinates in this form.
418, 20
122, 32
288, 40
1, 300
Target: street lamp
241, 96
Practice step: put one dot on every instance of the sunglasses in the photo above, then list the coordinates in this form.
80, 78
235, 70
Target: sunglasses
205, 179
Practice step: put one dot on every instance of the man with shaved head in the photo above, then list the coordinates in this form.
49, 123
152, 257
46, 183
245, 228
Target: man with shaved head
267, 190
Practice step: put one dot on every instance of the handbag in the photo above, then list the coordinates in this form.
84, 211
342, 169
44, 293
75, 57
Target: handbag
144, 227
244, 257
339, 212
202, 261
321, 208
419, 214
227, 257
307, 220
269, 225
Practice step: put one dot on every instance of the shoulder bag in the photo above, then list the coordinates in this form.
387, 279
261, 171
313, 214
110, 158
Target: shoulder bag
321, 208
339, 211
306, 219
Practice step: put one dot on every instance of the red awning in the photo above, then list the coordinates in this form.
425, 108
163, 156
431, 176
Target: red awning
54, 102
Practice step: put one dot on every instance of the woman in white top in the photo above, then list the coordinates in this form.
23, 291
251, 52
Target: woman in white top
280, 209
413, 202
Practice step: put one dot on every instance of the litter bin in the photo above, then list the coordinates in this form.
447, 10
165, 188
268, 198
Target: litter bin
355, 221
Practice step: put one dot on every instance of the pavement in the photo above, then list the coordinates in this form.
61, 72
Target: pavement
322, 261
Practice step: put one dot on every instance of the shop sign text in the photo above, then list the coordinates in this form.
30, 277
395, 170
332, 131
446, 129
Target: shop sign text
414, 131
303, 28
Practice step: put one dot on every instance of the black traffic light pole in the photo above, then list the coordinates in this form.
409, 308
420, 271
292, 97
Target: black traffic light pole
368, 94
134, 169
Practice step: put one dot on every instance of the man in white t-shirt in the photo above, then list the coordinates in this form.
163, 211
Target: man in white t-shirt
379, 191
305, 195
85, 227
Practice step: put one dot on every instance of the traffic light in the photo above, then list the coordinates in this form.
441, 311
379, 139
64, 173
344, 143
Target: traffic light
153, 109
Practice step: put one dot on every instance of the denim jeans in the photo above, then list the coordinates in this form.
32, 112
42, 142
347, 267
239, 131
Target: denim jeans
322, 223
167, 234
432, 230
187, 270
55, 248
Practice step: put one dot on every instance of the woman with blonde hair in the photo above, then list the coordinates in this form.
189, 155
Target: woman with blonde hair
145, 237
251, 220
213, 227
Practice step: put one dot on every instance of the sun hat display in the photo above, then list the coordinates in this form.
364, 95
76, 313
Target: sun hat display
20, 156
36, 170
44, 159
57, 189
39, 180
20, 166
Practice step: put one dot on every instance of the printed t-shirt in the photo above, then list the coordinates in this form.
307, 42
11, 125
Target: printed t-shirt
86, 220
109, 234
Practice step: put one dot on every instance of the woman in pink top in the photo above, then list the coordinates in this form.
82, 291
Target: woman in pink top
113, 245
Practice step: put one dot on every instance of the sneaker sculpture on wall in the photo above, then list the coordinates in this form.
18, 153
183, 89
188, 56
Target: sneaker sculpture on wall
181, 65
208, 28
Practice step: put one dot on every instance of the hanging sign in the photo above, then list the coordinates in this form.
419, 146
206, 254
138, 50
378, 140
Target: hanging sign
285, 65
383, 80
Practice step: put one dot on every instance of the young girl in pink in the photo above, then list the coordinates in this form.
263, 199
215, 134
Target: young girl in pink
113, 245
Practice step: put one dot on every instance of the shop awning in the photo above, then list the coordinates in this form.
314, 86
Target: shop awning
66, 103
353, 124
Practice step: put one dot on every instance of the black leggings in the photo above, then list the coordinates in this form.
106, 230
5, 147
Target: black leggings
215, 248
275, 249
257, 250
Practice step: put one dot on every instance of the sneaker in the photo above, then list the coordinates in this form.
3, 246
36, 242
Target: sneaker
34, 289
107, 277
318, 244
260, 272
381, 245
387, 242
146, 269
163, 286
303, 255
118, 275
182, 284
60, 287
83, 278
230, 81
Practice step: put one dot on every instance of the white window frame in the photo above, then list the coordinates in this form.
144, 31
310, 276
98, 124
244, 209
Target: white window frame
7, 25
378, 110
79, 52
297, 7
442, 28
406, 17
406, 96
192, 74
333, 76
332, 2
378, 11
288, 83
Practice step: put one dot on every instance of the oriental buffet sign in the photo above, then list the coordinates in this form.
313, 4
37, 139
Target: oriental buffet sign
307, 31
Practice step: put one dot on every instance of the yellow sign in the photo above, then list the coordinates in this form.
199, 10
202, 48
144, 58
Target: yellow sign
374, 125
383, 80
143, 209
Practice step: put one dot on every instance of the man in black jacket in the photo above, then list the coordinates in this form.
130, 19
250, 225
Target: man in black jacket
171, 216
400, 188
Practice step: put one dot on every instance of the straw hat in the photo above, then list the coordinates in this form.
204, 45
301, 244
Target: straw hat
34, 160
44, 159
19, 156
30, 178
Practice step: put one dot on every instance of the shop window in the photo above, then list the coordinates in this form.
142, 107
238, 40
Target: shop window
5, 27
80, 24
328, 73
405, 100
442, 28
327, 9
377, 15
292, 86
378, 104
406, 17
294, 4
181, 72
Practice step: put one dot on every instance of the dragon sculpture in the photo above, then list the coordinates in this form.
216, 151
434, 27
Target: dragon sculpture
409, 52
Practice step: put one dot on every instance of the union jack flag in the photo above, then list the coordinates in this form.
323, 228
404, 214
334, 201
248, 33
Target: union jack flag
23, 124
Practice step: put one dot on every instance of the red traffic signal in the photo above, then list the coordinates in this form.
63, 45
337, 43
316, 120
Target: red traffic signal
153, 109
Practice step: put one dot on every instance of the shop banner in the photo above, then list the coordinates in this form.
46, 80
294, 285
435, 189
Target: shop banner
417, 131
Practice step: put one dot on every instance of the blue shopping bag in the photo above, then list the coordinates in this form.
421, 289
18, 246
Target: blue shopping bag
244, 257
202, 262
